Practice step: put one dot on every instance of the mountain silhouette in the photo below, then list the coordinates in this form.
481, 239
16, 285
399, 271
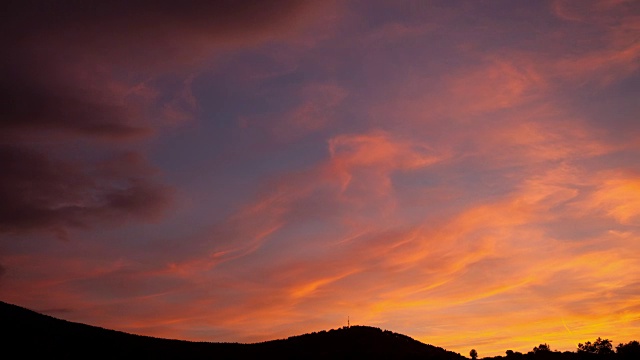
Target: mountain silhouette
28, 334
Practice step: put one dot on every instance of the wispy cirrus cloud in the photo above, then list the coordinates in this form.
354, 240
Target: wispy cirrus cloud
432, 169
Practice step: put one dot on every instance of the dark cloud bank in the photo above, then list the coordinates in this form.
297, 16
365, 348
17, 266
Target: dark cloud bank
66, 69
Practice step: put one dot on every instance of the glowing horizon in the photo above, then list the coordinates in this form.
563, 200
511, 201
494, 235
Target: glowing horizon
466, 174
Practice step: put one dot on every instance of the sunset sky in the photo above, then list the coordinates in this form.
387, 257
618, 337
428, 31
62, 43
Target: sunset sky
466, 173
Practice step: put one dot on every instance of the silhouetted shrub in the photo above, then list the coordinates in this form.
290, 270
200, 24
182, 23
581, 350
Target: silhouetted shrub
542, 348
630, 350
600, 347
474, 354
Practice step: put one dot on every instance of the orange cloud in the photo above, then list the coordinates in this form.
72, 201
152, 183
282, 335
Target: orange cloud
500, 84
617, 196
460, 195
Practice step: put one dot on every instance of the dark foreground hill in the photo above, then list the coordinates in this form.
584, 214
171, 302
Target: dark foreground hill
27, 334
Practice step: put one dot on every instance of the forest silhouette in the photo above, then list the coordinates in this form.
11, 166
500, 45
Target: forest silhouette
28, 334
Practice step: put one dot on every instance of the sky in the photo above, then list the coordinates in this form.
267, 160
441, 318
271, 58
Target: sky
466, 173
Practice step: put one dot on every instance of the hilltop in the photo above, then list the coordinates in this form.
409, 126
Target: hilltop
29, 334
32, 335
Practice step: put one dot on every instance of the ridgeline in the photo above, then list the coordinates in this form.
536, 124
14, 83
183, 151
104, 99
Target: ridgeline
28, 334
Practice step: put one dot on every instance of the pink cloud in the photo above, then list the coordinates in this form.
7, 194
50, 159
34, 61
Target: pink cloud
316, 111
465, 199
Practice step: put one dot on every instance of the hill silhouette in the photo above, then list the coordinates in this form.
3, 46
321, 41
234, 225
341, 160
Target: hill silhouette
28, 334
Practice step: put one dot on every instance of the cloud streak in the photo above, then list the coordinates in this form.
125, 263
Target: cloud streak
465, 178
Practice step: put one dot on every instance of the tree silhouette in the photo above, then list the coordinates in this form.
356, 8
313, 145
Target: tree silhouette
513, 354
600, 346
542, 348
630, 350
474, 354
510, 353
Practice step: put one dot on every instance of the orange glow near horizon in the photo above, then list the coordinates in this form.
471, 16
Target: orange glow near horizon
466, 174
